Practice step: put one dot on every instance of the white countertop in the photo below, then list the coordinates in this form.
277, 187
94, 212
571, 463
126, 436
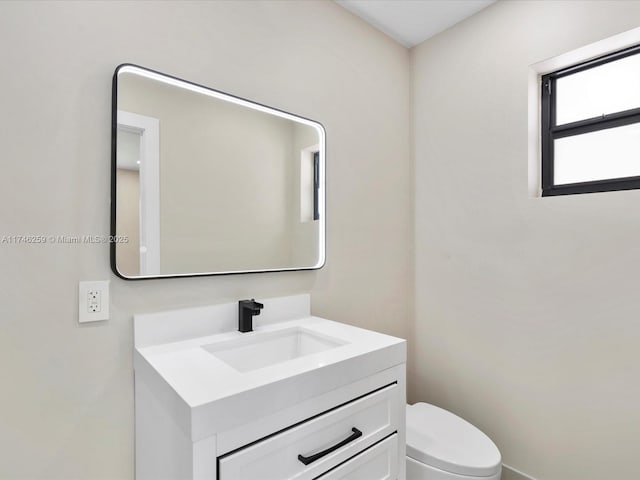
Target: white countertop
209, 395
200, 378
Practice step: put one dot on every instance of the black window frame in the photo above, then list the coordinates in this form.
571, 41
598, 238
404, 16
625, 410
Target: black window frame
551, 131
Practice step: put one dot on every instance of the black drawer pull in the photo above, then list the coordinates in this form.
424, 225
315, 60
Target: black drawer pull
312, 458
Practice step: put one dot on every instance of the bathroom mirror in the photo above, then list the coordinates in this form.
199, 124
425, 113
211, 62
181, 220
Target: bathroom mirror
206, 183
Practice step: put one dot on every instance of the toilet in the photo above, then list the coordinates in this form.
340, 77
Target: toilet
442, 446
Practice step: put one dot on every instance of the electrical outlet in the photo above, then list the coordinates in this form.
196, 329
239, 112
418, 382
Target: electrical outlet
93, 301
94, 298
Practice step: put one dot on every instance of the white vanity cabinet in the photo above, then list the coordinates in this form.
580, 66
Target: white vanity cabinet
337, 414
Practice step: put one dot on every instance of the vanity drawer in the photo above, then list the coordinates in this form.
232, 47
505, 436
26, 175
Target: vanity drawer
379, 462
308, 450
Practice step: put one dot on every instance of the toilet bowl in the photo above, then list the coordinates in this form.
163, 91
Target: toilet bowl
442, 446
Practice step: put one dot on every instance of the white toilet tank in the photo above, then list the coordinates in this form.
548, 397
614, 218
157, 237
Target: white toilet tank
443, 446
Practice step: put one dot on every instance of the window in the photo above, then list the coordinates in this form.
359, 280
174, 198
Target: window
309, 184
591, 125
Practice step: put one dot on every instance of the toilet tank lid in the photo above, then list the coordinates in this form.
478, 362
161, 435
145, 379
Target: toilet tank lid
443, 440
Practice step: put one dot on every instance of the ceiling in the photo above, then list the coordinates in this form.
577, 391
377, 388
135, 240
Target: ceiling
411, 22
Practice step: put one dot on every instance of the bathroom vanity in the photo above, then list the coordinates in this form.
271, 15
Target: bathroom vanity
300, 397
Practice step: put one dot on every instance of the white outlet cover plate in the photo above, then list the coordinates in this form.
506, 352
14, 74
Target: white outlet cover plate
84, 314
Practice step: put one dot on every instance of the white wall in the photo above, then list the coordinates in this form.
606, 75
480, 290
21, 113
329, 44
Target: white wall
66, 407
526, 309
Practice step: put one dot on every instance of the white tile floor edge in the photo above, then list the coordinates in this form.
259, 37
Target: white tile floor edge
510, 473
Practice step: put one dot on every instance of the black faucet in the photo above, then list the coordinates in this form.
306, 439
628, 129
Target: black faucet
246, 310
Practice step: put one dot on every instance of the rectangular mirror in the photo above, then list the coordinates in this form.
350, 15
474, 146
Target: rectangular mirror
206, 183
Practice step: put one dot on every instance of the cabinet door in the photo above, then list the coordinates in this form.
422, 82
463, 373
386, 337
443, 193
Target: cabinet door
379, 462
313, 447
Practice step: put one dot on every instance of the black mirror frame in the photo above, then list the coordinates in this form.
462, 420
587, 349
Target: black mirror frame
319, 183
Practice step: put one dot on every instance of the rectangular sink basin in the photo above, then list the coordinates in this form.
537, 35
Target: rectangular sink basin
261, 349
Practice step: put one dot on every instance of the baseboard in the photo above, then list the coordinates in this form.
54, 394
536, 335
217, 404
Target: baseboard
510, 473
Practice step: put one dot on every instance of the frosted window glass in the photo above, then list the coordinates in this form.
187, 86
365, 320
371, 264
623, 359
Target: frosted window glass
609, 88
601, 155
